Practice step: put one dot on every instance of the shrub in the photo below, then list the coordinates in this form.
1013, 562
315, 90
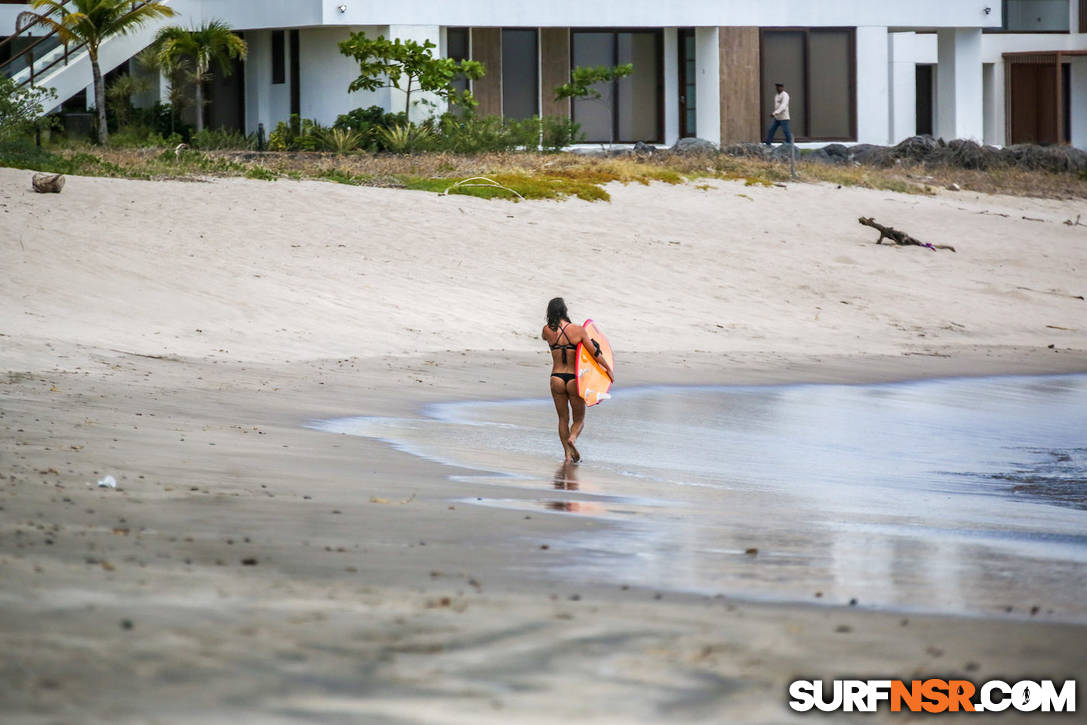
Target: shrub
162, 120
222, 138
367, 121
261, 173
560, 132
21, 108
298, 134
132, 136
340, 140
469, 134
406, 137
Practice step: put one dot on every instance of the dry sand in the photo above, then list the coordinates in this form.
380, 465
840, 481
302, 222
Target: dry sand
178, 335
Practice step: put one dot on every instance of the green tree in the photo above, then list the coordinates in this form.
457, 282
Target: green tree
21, 108
92, 22
213, 42
584, 83
383, 63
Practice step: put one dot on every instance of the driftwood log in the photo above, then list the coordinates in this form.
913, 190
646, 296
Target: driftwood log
900, 238
48, 183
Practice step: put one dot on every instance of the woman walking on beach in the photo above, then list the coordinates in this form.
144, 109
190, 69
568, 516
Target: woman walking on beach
562, 336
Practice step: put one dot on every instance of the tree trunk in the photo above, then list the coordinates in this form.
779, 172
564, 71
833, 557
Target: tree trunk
199, 103
407, 111
99, 97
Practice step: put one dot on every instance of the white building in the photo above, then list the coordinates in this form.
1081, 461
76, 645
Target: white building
867, 71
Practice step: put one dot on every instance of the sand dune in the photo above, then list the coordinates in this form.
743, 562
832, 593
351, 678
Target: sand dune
295, 270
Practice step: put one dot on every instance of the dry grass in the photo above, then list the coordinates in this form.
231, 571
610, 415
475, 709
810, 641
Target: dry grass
554, 176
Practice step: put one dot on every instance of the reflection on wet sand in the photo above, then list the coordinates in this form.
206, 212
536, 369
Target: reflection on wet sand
566, 479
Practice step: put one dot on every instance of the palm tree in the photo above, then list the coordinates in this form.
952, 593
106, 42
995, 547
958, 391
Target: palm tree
212, 42
92, 22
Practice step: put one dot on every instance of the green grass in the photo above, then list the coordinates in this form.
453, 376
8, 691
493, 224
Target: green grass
261, 173
528, 186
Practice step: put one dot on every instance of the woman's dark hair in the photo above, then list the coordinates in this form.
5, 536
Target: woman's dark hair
556, 313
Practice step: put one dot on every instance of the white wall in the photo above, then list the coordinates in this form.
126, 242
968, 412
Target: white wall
873, 93
902, 80
1079, 102
326, 74
256, 14
708, 84
958, 85
654, 13
268, 14
265, 102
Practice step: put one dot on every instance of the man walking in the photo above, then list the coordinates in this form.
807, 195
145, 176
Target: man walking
780, 115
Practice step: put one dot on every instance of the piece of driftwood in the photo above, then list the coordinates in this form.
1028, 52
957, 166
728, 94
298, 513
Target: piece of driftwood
48, 183
900, 238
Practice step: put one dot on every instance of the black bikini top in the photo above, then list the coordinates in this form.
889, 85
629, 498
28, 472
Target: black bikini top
565, 347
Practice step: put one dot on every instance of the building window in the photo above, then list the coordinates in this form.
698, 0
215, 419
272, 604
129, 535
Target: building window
457, 48
520, 78
279, 57
1037, 16
628, 110
816, 66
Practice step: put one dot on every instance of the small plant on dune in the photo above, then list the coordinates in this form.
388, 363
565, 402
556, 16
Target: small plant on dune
261, 172
340, 140
403, 138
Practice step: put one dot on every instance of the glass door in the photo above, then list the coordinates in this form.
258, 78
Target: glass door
688, 112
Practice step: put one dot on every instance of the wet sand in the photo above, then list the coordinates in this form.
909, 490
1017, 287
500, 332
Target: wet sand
250, 569
247, 567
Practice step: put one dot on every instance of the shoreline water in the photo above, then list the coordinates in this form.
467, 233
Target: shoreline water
964, 467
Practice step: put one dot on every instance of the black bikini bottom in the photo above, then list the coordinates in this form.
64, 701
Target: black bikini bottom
564, 377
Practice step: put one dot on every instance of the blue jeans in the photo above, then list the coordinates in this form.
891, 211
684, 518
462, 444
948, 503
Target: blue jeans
774, 129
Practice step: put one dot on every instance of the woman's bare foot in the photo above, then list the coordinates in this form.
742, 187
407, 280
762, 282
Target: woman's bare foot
572, 451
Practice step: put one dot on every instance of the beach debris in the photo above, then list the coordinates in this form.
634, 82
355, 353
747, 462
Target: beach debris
177, 151
379, 499
954, 187
1075, 223
48, 183
107, 482
843, 629
853, 602
249, 561
900, 238
126, 624
752, 551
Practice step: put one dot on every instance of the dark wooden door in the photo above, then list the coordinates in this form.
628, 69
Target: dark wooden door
1033, 103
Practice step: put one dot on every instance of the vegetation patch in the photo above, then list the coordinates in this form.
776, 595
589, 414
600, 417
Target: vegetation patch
527, 186
533, 175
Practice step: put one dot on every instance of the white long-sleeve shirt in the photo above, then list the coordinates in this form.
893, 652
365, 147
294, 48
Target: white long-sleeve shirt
781, 106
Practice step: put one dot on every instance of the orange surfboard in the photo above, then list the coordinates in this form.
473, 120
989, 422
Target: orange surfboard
593, 383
